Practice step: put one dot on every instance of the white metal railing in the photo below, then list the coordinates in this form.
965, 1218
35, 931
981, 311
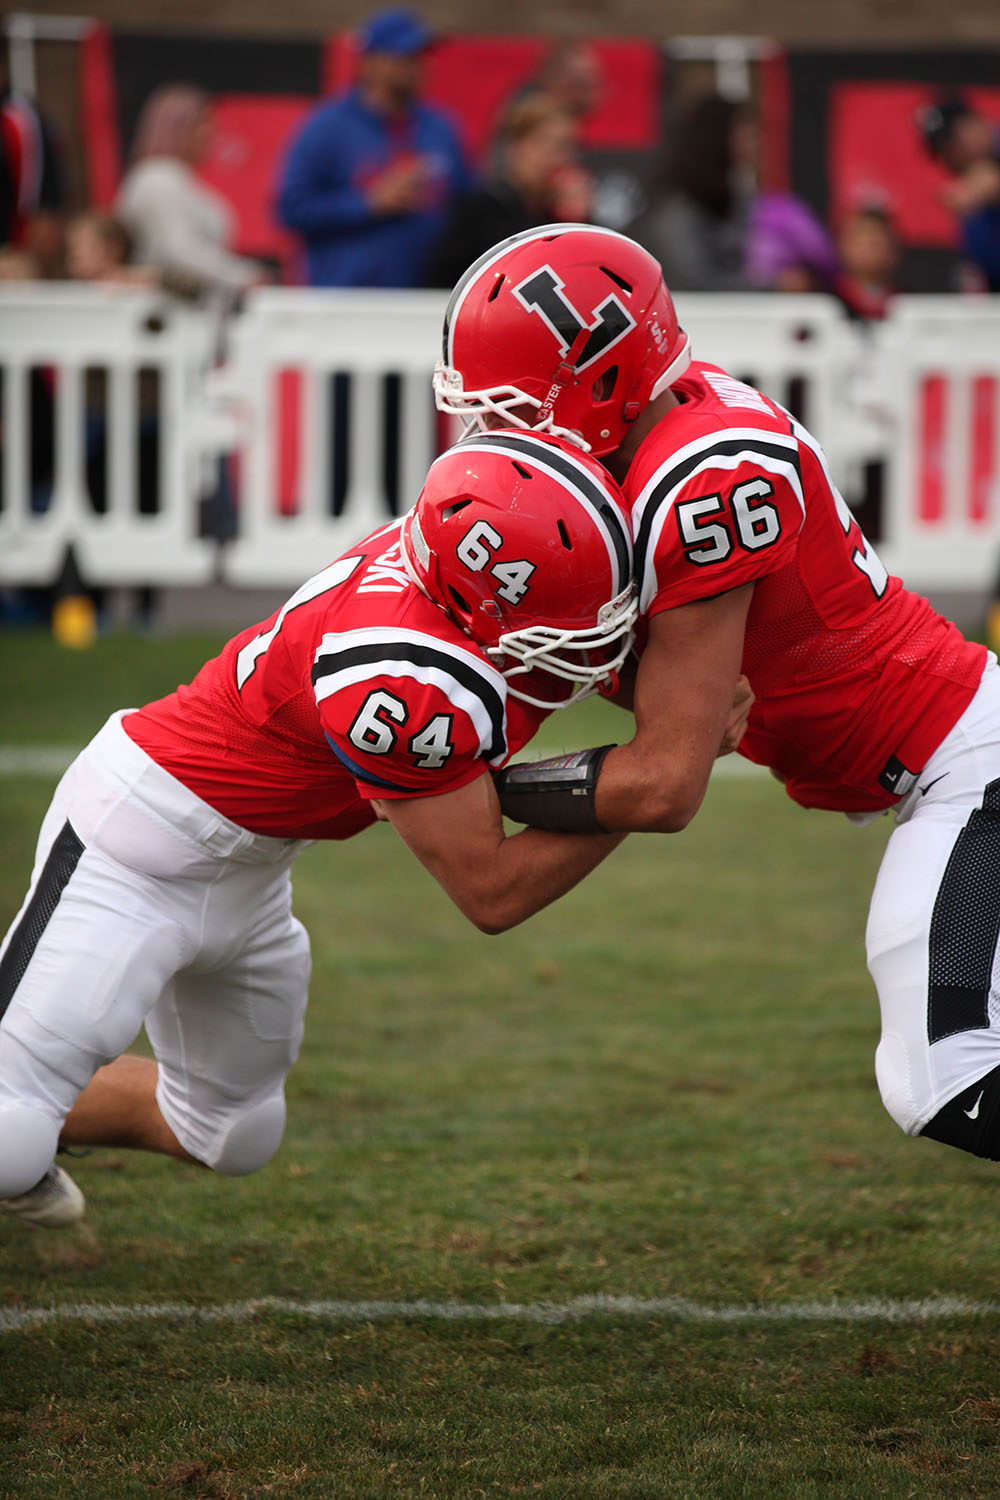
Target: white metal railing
324, 411
148, 356
938, 382
287, 348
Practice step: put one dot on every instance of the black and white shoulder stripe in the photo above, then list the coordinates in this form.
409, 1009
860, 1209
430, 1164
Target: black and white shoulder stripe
469, 682
772, 453
578, 482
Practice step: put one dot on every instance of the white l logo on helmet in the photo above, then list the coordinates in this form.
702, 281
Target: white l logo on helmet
542, 293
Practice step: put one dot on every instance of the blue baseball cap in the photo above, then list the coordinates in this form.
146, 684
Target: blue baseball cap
400, 32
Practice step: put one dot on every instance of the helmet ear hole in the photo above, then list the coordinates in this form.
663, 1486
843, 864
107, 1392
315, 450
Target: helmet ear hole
626, 286
452, 510
462, 604
604, 385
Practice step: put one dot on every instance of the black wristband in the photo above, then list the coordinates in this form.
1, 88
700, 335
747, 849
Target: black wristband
555, 794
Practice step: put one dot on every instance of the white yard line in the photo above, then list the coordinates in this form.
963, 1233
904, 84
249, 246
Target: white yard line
35, 760
666, 1309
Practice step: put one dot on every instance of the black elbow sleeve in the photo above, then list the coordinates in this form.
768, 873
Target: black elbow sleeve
555, 794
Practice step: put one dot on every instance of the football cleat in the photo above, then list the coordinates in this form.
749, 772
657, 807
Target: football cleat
54, 1203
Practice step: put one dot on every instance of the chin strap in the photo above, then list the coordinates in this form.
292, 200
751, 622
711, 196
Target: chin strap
564, 375
555, 794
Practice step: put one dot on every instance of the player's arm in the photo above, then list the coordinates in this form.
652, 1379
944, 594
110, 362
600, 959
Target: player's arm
691, 705
494, 879
686, 688
623, 696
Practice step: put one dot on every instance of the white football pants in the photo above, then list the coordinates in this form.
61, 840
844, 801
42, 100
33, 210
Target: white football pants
934, 922
148, 907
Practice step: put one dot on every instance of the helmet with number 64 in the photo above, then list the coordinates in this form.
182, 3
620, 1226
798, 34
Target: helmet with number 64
525, 542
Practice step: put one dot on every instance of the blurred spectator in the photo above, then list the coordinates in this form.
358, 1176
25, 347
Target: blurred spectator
18, 265
696, 220
536, 154
182, 228
372, 174
98, 248
178, 224
787, 249
572, 76
967, 145
869, 251
31, 187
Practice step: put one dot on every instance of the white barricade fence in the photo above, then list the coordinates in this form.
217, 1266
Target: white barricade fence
102, 450
938, 377
331, 392
324, 412
799, 350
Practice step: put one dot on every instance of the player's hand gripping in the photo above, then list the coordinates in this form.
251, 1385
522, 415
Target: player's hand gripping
743, 701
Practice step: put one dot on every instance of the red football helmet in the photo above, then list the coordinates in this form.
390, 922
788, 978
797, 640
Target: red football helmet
525, 542
571, 320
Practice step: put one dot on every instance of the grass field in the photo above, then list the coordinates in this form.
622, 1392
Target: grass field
605, 1207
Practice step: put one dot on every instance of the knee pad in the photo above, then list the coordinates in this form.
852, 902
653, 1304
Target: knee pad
971, 1121
28, 1141
252, 1139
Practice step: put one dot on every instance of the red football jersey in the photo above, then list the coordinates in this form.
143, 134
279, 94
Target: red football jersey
857, 680
359, 687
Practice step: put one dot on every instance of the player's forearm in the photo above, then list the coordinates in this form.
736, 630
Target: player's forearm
577, 793
495, 880
642, 792
529, 871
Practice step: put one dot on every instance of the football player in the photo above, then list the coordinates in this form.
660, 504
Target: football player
747, 558
389, 686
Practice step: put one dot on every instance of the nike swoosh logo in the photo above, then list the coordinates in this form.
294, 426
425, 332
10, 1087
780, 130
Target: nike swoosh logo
925, 789
973, 1113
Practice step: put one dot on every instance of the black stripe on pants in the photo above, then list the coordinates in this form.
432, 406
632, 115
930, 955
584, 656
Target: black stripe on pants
965, 926
64, 856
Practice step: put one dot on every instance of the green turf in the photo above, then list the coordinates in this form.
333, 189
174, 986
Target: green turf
659, 1088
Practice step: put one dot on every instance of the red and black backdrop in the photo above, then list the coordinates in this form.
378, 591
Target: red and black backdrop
261, 88
838, 127
854, 140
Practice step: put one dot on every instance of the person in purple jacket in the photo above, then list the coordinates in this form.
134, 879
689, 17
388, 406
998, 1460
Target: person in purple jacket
372, 175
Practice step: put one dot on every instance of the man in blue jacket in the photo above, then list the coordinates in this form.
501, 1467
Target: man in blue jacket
373, 172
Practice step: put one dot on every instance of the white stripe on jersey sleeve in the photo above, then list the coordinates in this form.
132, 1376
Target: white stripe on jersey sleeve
390, 663
766, 463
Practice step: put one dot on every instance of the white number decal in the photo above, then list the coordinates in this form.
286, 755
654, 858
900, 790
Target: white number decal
706, 530
321, 583
864, 557
476, 550
757, 523
372, 729
433, 743
471, 550
514, 578
704, 541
